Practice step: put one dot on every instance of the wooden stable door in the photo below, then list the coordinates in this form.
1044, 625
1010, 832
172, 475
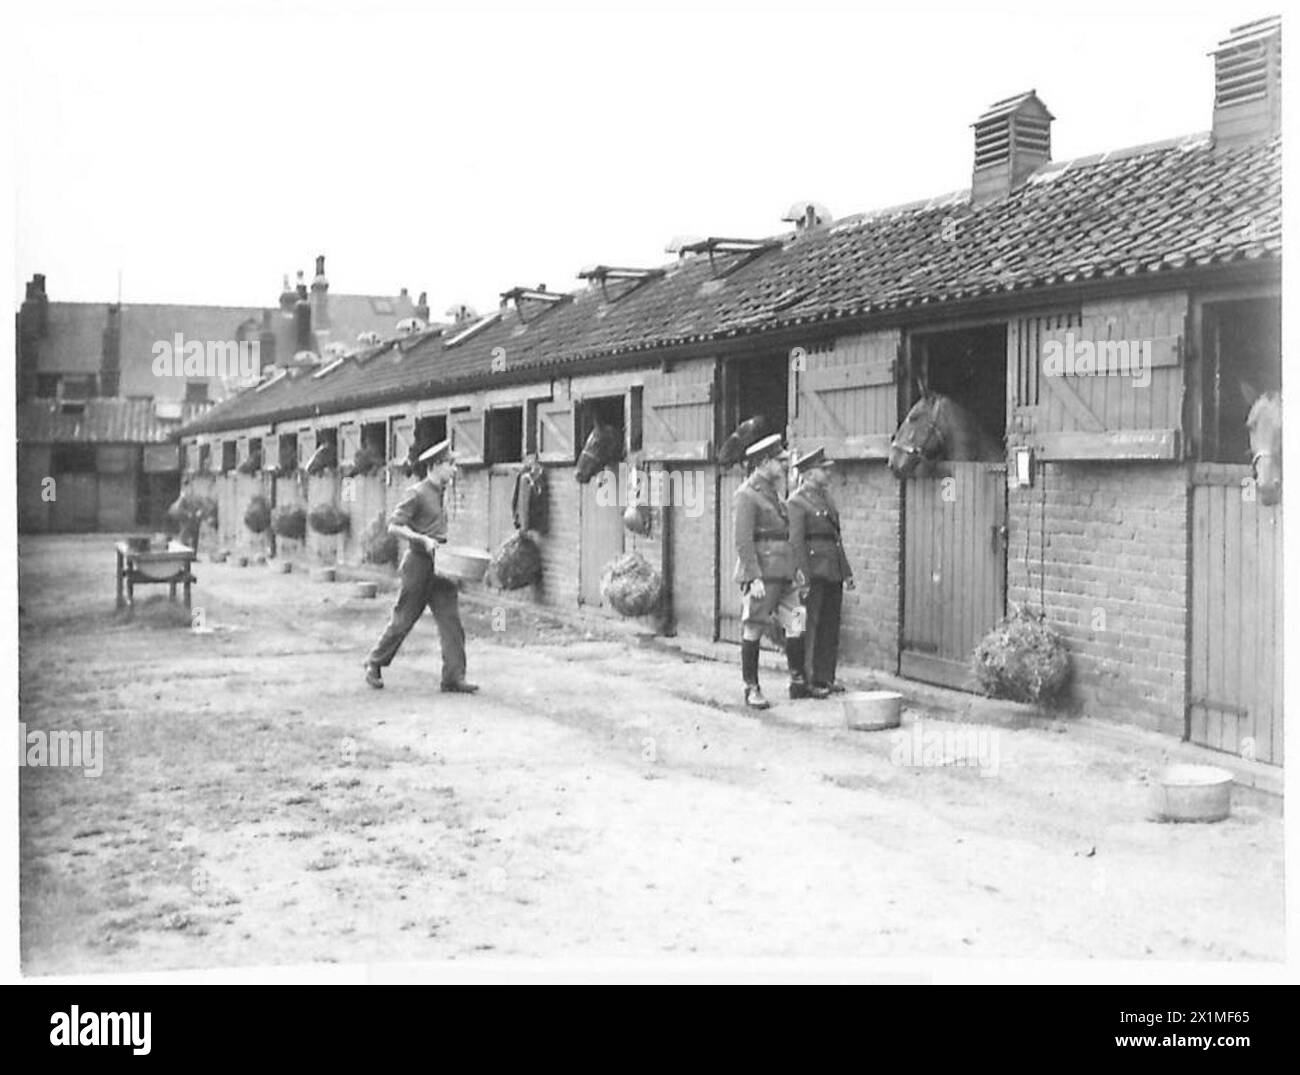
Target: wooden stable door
728, 614
501, 519
1235, 701
601, 533
954, 568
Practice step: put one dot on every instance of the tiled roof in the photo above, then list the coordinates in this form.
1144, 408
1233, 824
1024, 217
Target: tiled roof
100, 421
1116, 216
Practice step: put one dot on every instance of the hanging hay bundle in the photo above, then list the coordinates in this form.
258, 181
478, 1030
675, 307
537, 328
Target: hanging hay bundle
518, 563
258, 515
290, 522
1022, 659
327, 519
378, 546
631, 585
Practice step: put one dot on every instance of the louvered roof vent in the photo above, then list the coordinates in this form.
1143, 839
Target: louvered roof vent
1013, 139
1248, 82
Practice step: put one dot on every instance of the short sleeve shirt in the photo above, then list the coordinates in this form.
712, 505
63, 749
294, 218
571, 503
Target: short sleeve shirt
421, 510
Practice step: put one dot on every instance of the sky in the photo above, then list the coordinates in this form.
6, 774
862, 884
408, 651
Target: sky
200, 152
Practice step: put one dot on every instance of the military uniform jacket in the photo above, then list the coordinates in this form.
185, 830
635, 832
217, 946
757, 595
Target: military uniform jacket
762, 533
421, 510
815, 535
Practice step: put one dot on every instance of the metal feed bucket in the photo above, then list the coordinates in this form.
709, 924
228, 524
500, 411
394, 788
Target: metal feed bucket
1194, 793
461, 563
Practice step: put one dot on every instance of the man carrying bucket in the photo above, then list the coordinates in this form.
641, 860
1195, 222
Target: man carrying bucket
421, 520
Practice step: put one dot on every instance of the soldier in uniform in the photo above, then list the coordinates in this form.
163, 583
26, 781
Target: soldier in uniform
765, 569
421, 520
820, 559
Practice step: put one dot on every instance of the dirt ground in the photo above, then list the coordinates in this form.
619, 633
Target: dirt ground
259, 804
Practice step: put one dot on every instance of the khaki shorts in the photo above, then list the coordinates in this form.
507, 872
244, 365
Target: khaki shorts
780, 599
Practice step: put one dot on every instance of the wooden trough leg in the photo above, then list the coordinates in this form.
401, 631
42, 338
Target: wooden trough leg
120, 600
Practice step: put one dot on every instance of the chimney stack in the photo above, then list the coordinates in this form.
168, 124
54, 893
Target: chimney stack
1248, 83
110, 363
287, 297
302, 335
1013, 139
266, 340
422, 307
33, 326
320, 309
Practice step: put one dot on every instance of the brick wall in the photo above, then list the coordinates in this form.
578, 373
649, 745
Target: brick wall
1106, 558
869, 502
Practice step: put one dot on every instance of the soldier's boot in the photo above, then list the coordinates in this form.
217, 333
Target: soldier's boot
799, 685
749, 672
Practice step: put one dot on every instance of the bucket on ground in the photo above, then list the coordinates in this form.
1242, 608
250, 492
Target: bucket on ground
869, 711
1193, 793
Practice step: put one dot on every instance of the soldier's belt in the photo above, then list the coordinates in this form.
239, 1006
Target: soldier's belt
771, 535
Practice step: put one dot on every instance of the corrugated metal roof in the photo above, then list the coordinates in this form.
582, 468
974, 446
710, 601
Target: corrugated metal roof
1176, 205
101, 421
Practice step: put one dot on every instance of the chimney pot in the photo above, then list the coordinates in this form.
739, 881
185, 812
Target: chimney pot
320, 309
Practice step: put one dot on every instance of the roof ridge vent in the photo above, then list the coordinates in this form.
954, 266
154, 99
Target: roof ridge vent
1013, 139
1248, 82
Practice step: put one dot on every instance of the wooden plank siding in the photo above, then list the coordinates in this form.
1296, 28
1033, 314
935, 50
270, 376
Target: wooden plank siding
1235, 639
954, 568
844, 395
1080, 415
678, 413
600, 532
728, 593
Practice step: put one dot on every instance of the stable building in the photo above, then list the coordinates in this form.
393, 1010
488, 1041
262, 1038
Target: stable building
1120, 509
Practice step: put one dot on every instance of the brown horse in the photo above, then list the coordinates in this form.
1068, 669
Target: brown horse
604, 446
1264, 424
938, 428
750, 431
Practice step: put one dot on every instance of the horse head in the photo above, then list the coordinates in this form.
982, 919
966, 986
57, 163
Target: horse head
750, 431
920, 437
604, 446
1264, 424
323, 458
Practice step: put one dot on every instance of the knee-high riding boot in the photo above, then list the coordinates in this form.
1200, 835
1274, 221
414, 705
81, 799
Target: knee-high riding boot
749, 661
794, 655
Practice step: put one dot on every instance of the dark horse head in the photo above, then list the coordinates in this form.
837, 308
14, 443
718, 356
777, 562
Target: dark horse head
938, 428
750, 431
1264, 424
604, 446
